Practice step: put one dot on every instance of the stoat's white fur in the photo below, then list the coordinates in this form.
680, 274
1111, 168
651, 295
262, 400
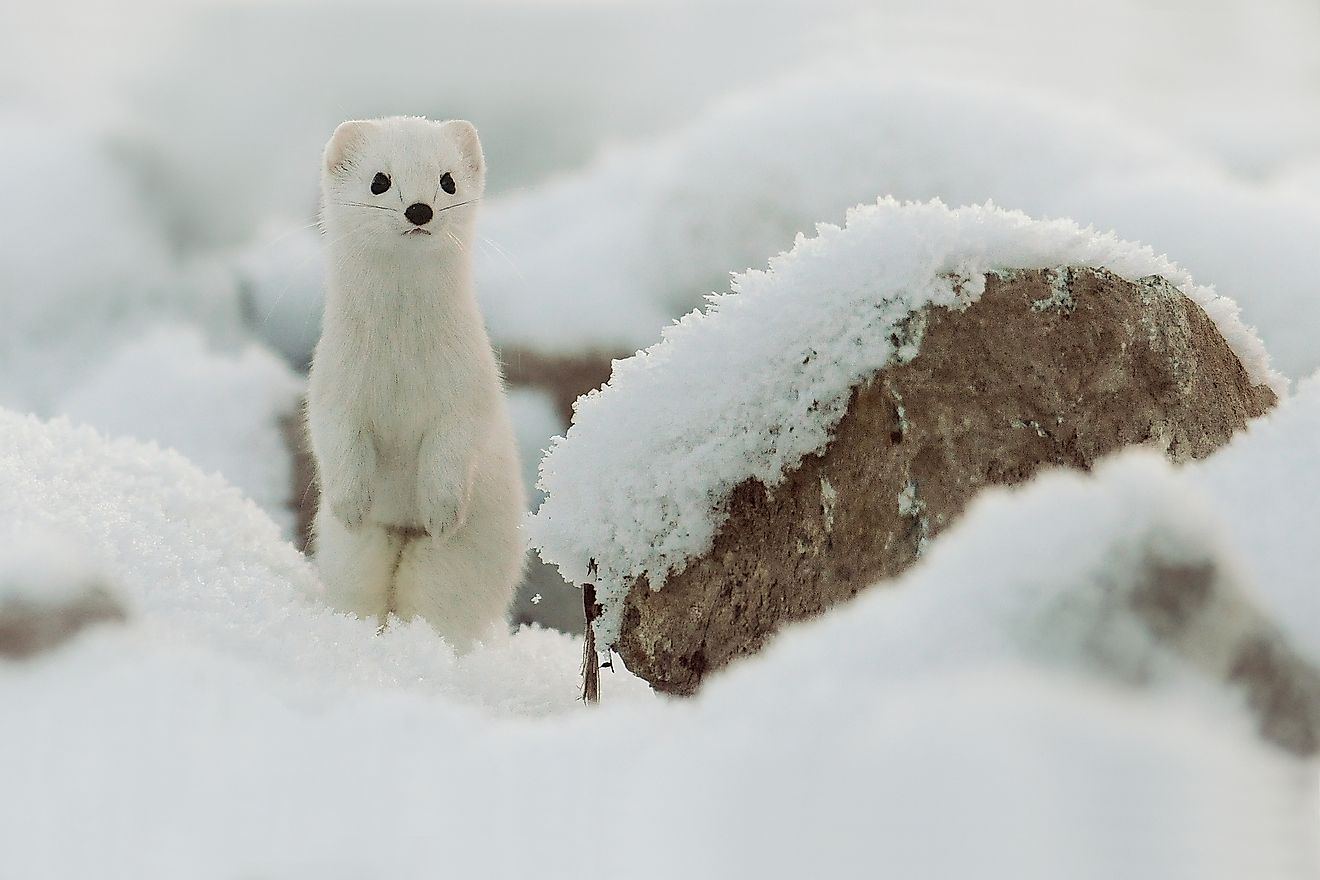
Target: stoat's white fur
420, 493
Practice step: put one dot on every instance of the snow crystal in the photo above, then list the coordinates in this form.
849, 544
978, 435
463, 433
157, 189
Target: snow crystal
639, 481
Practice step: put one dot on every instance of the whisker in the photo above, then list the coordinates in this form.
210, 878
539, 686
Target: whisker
365, 205
458, 205
509, 261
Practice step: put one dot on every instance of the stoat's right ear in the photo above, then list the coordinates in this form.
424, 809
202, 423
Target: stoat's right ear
347, 138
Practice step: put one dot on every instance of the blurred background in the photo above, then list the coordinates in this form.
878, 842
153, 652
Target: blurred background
160, 261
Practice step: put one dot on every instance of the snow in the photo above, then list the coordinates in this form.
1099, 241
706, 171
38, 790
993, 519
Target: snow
994, 713
204, 565
1267, 488
1041, 574
44, 567
601, 258
949, 707
220, 410
169, 766
282, 283
66, 302
536, 422
638, 482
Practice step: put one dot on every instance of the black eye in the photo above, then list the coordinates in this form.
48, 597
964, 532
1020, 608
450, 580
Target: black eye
380, 183
447, 183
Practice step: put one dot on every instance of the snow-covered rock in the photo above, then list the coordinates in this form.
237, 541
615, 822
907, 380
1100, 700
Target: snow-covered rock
1047, 368
749, 387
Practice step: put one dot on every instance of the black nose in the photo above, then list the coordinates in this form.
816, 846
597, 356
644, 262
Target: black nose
419, 214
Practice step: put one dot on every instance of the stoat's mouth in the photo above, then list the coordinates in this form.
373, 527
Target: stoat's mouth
418, 231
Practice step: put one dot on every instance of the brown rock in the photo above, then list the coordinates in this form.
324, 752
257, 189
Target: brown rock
28, 628
1197, 612
564, 377
1045, 369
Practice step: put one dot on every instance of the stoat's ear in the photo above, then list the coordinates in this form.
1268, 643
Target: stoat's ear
347, 138
464, 135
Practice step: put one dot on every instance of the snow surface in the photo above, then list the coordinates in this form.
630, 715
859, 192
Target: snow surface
204, 565
639, 482
947, 726
44, 567
1266, 488
220, 410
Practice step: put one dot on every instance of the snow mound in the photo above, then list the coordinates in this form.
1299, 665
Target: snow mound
235, 728
602, 258
204, 567
66, 302
1266, 487
748, 387
222, 411
946, 708
169, 766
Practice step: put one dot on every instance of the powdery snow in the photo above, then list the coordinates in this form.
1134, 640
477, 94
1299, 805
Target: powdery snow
205, 566
235, 728
123, 760
639, 481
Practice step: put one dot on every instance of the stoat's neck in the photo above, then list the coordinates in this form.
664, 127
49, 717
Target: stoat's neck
374, 287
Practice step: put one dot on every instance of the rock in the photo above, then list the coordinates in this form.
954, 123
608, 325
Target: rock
1047, 368
1197, 612
564, 377
48, 594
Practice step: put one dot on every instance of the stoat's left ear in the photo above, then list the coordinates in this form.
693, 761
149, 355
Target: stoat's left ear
346, 139
464, 134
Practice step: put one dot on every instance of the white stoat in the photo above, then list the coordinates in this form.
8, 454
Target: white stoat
420, 489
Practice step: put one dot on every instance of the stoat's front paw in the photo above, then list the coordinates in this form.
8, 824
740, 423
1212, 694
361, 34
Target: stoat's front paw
351, 508
442, 514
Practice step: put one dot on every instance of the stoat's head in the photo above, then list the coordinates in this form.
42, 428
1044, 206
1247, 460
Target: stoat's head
401, 183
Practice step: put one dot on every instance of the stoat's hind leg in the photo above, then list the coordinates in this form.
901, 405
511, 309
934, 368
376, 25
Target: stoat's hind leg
357, 566
458, 585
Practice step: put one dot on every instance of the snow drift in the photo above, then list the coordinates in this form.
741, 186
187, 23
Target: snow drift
233, 728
